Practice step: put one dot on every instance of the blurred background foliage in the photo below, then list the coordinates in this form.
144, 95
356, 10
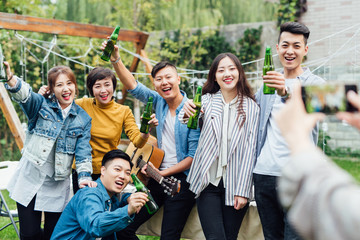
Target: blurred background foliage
185, 48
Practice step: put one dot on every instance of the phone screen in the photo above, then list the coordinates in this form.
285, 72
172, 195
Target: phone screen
327, 98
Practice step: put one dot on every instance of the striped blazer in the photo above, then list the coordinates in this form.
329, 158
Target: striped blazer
242, 150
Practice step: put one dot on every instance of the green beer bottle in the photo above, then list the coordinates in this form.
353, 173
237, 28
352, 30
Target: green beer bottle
144, 128
110, 44
3, 75
193, 120
150, 205
268, 66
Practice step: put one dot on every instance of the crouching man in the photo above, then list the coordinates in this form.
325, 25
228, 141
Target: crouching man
96, 212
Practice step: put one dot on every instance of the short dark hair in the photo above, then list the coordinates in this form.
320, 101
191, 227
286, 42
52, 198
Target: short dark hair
161, 65
55, 72
295, 28
99, 73
111, 155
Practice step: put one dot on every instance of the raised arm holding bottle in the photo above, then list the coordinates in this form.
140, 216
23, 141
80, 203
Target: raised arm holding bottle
178, 142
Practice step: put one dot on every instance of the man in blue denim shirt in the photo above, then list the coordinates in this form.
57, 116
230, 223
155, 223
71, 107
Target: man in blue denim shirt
272, 150
178, 142
96, 212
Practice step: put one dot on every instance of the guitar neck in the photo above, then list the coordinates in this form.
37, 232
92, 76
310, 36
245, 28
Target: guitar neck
150, 171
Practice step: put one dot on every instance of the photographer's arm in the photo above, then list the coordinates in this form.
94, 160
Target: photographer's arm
312, 188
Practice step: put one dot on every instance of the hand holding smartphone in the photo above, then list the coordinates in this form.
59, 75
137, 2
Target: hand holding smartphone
328, 98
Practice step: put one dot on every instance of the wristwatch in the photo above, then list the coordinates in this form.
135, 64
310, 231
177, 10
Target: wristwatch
287, 92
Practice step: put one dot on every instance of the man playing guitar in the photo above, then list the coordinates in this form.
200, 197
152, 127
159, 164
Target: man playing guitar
178, 142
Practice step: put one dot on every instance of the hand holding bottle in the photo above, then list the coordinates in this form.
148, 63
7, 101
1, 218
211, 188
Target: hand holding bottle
110, 45
276, 80
114, 54
153, 122
189, 108
136, 201
151, 205
146, 116
268, 66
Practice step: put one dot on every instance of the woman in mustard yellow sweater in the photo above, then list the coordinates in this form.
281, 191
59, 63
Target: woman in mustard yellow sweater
109, 118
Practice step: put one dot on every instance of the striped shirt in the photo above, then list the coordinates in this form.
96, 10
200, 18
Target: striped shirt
242, 147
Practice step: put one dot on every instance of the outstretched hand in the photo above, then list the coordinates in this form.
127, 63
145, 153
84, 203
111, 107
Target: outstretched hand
11, 80
295, 124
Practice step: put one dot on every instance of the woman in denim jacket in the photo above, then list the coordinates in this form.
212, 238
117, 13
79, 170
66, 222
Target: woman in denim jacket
58, 131
109, 118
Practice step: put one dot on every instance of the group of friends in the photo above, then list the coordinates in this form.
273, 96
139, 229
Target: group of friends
241, 143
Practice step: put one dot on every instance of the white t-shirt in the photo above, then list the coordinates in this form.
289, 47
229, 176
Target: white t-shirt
275, 152
169, 145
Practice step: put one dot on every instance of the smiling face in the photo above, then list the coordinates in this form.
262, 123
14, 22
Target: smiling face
227, 75
103, 90
166, 83
291, 49
115, 175
64, 90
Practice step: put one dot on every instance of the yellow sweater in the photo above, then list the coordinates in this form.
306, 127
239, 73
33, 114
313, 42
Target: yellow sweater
107, 123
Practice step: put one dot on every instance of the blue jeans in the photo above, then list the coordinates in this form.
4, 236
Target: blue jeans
218, 221
272, 216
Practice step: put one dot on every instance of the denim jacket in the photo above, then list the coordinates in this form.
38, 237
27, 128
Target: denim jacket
47, 129
91, 213
266, 103
186, 139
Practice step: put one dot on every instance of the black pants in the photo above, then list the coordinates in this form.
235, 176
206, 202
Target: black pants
273, 219
176, 211
30, 222
218, 221
75, 180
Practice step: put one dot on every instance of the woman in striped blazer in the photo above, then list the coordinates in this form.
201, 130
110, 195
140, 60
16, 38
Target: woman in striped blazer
221, 172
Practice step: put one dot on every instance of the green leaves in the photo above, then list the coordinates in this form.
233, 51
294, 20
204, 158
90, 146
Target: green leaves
197, 50
289, 11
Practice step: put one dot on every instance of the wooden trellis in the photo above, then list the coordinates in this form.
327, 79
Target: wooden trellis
59, 27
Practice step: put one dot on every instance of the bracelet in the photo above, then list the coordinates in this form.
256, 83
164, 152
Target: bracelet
10, 78
117, 60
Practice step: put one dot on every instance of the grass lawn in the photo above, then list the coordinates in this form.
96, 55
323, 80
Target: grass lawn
9, 232
353, 167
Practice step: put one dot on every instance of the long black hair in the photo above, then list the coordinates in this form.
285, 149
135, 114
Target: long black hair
243, 87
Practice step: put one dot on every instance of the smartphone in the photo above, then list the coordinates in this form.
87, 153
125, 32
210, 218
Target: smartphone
328, 98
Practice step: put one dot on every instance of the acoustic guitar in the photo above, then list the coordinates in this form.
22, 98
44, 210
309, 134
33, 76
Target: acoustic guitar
149, 153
